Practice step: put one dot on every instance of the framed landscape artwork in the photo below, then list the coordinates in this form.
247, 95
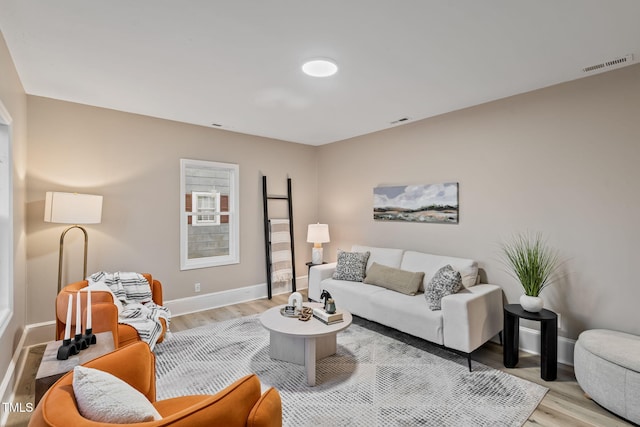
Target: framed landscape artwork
430, 203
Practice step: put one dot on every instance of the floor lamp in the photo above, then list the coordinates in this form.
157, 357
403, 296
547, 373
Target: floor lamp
72, 208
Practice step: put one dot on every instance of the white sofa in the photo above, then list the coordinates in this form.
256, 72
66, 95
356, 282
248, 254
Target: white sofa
467, 319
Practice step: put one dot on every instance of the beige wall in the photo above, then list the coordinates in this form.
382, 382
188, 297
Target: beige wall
133, 161
14, 100
562, 161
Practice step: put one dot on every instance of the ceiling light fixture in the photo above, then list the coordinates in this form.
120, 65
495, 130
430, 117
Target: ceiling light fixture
320, 67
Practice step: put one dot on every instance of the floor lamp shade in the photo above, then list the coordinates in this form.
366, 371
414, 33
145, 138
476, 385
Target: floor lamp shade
317, 234
72, 208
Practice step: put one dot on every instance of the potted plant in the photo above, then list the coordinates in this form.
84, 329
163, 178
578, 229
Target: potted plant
533, 263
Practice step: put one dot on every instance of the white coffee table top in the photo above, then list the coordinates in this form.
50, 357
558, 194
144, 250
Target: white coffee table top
276, 322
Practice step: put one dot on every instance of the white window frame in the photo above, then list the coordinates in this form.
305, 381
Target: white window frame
208, 216
233, 214
6, 218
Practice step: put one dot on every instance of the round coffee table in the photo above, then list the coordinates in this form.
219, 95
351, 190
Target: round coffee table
302, 343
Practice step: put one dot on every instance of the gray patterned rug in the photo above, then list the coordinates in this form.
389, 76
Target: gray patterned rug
378, 377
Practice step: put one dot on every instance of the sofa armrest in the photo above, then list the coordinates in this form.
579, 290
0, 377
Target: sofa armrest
317, 274
472, 317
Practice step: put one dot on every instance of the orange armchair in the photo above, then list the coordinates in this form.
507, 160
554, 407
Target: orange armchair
104, 315
240, 404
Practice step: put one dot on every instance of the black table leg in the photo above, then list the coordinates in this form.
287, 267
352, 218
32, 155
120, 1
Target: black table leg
511, 340
549, 349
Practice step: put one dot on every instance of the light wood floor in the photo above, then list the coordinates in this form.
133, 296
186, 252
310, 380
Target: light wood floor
564, 405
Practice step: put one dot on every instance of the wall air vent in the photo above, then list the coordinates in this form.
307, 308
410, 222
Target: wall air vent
625, 60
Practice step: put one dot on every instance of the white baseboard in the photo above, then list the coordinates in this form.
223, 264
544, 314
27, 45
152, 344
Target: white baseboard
220, 299
530, 343
14, 371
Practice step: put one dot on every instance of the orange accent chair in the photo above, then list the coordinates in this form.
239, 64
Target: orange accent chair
240, 404
104, 315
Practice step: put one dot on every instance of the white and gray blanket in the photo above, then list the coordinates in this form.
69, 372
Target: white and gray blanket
138, 309
281, 266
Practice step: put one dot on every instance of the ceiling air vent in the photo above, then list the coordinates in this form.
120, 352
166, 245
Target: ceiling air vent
625, 60
402, 120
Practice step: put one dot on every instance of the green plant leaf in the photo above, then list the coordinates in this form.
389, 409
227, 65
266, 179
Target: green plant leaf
531, 262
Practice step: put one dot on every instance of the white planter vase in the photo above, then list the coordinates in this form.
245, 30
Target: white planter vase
531, 304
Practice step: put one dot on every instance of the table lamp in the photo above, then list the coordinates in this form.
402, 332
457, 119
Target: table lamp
317, 234
72, 208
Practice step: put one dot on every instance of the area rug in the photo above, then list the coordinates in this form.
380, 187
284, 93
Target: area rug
378, 377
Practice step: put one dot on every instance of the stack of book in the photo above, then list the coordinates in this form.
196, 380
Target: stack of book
327, 318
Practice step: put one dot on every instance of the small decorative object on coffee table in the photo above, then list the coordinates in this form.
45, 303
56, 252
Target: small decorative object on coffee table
326, 317
549, 338
330, 308
325, 296
302, 343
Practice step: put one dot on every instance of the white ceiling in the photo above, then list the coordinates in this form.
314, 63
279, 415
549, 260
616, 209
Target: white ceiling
237, 63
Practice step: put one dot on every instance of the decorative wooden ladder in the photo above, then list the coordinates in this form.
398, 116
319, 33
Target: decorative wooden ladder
267, 236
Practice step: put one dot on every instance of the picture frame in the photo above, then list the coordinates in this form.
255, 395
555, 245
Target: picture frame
427, 203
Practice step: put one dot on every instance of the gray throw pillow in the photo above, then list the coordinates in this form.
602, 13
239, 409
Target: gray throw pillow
351, 266
445, 282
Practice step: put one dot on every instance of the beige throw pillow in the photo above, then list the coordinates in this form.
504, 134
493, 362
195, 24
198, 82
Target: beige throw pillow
406, 282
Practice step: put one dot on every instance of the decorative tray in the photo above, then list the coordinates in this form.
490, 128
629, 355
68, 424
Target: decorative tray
304, 315
286, 313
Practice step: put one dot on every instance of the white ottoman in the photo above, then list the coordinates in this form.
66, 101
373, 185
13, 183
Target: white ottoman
607, 367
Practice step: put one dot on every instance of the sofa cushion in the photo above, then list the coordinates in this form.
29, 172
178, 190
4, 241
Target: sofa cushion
351, 266
430, 264
384, 256
445, 282
106, 398
408, 314
355, 297
403, 281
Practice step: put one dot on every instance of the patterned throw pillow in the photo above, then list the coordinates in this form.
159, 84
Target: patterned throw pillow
445, 282
351, 266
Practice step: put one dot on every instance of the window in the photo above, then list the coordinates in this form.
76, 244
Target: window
6, 219
209, 220
204, 208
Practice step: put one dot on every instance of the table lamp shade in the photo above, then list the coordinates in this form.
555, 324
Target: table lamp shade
72, 208
318, 233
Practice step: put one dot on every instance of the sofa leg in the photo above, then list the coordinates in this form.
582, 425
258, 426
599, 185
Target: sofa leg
469, 361
500, 336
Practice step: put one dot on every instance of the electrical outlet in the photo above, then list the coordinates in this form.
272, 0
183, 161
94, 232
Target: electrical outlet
196, 287
559, 321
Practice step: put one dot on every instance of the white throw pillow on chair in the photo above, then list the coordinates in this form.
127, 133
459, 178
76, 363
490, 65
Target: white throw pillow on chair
106, 398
